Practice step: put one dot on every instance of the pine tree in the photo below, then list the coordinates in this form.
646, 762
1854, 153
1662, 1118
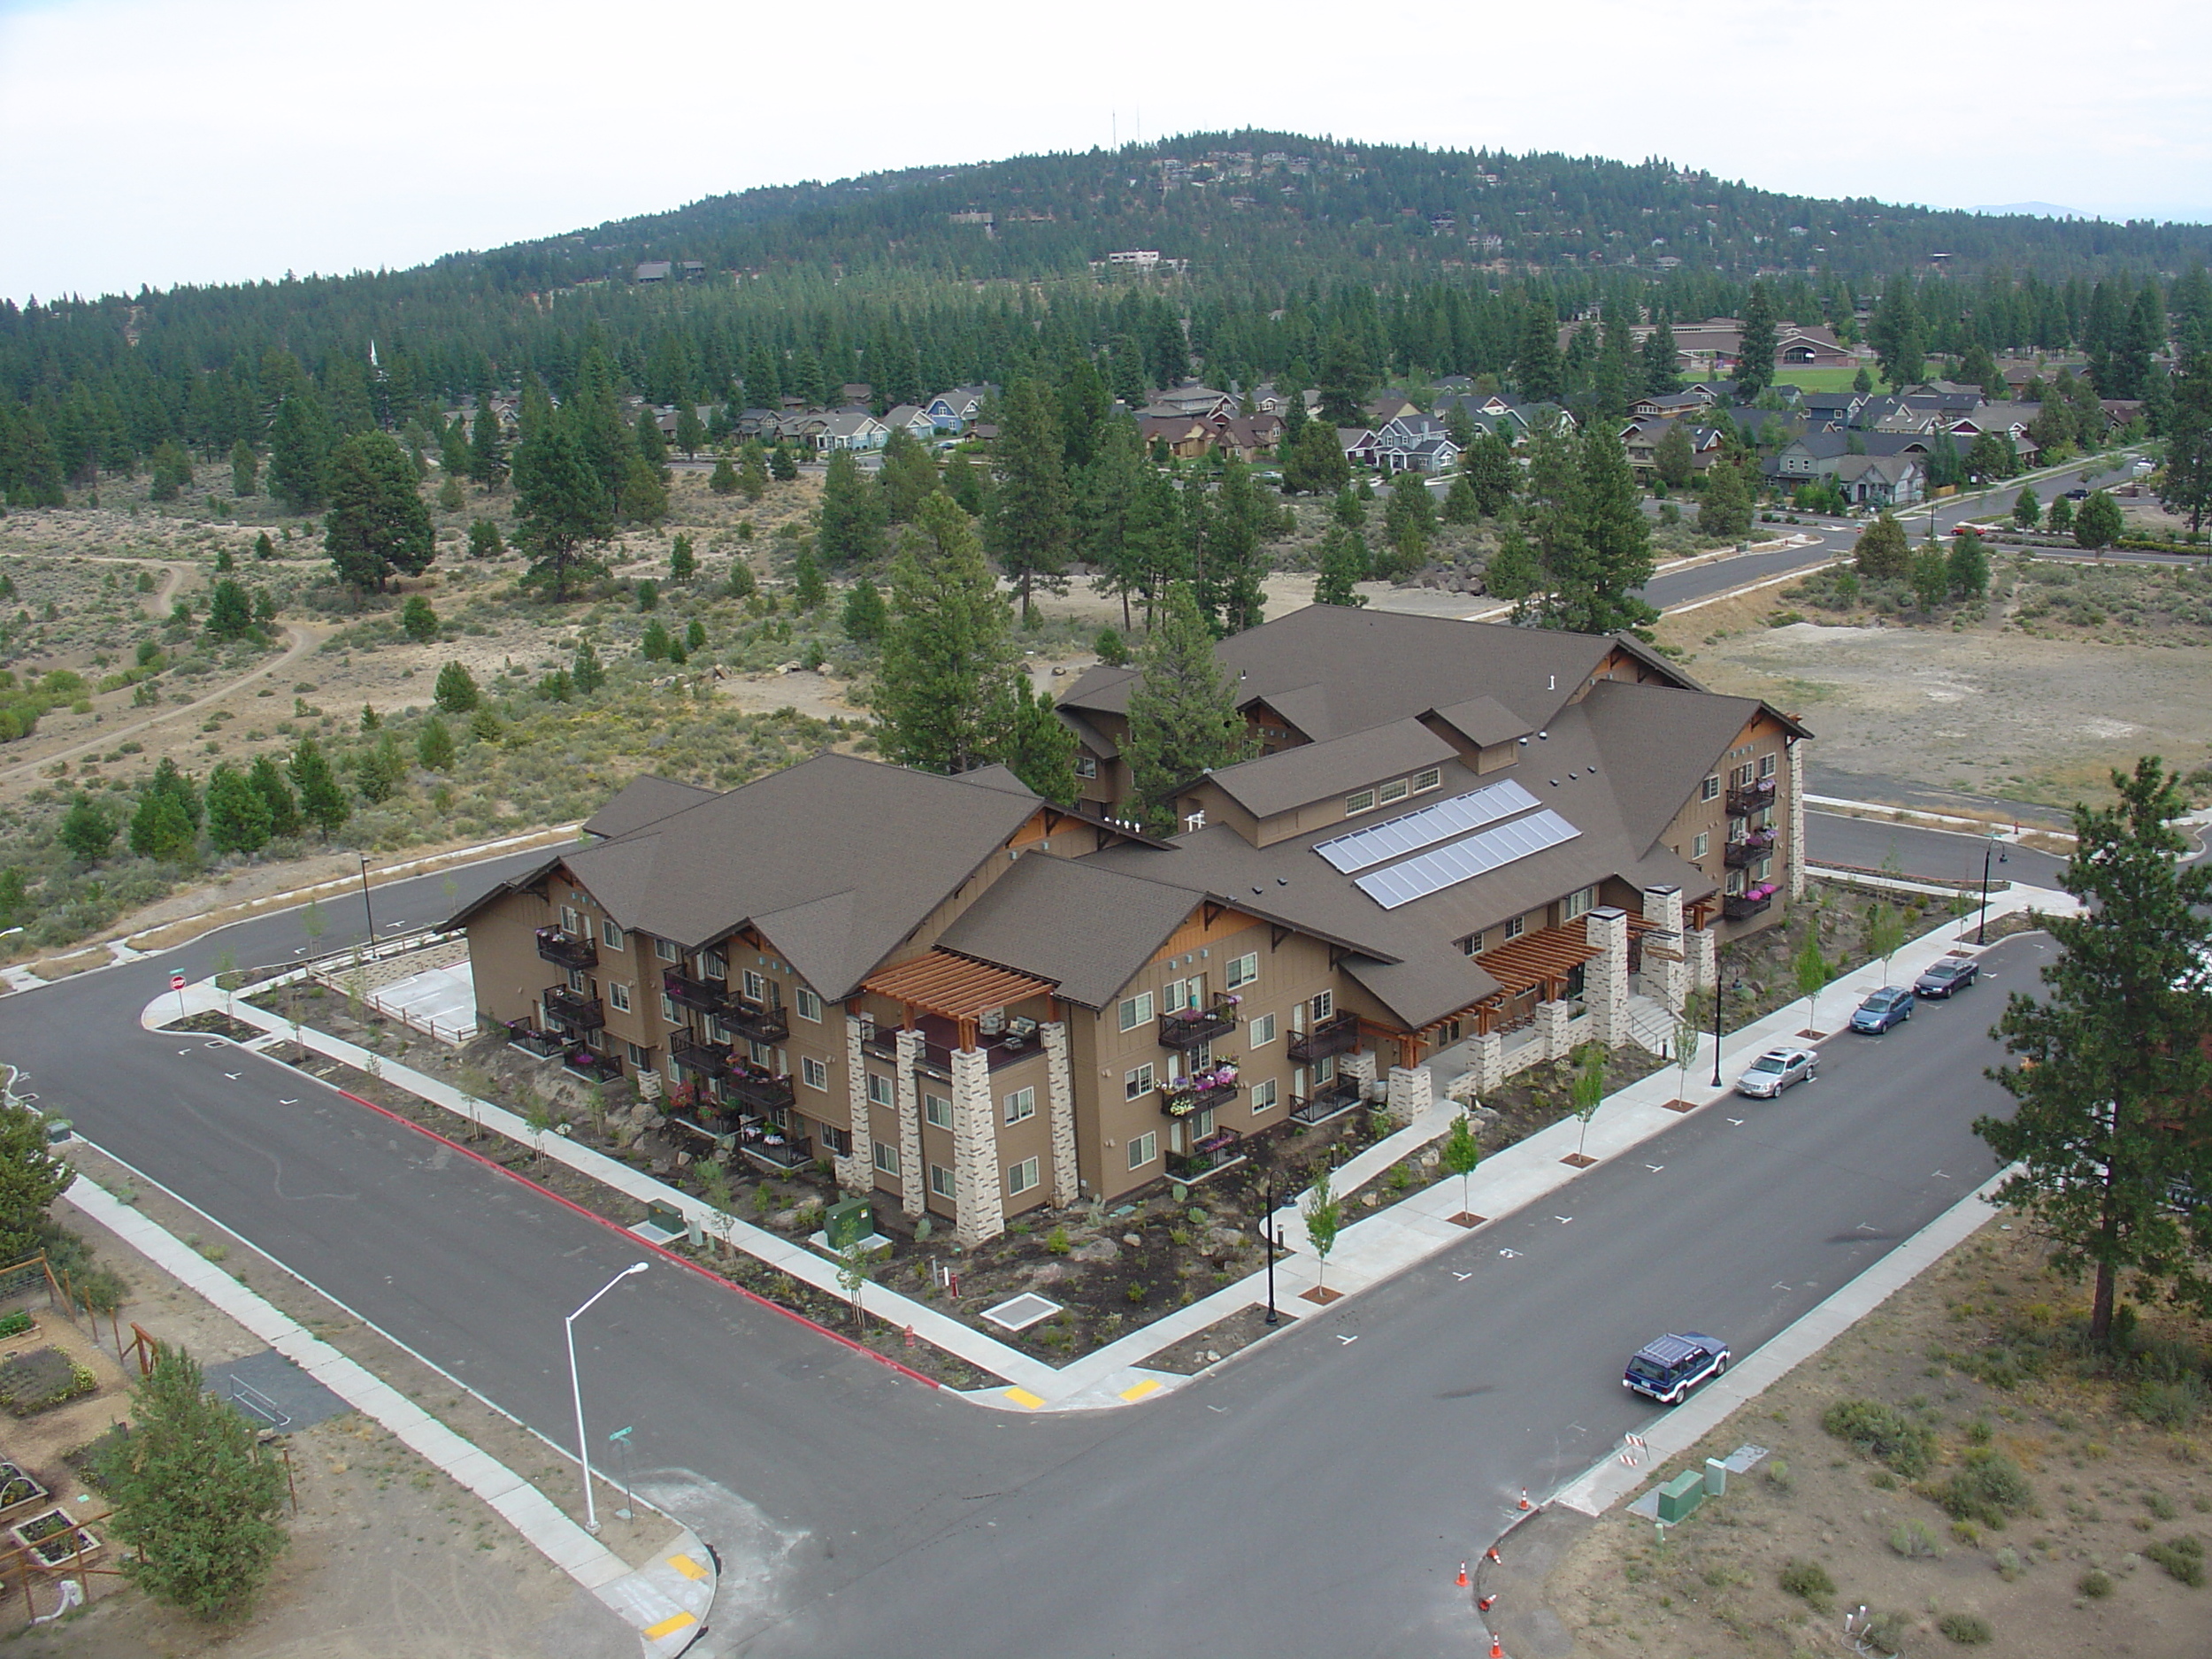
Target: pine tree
378, 522
197, 1497
2059, 520
907, 478
1883, 553
1513, 572
378, 773
1756, 346
1461, 504
31, 1177
456, 692
1663, 373
588, 673
783, 466
88, 829
300, 442
322, 802
1597, 591
864, 615
230, 612
691, 432
642, 497
1537, 368
1028, 525
2027, 508
945, 682
559, 506
1899, 346
1039, 747
484, 543
1409, 523
268, 782
1314, 461
159, 829
1236, 557
417, 620
172, 472
1183, 718
2188, 489
752, 478
1968, 568
245, 469
434, 748
849, 523
654, 645
1724, 514
2098, 525
722, 480
237, 817
683, 564
1492, 473
965, 483
809, 590
1344, 383
263, 547
1673, 457
1343, 563
2111, 1079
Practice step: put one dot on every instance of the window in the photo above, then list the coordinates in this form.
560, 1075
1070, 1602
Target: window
1394, 790
641, 1058
886, 1157
1576, 903
1516, 926
1263, 1031
1136, 1010
1363, 802
1021, 1105
717, 964
1324, 1071
1021, 1177
838, 1140
1709, 789
668, 1012
1763, 869
1426, 780
667, 950
568, 921
1264, 1097
610, 935
937, 1108
578, 983
1701, 846
1137, 1083
755, 986
1322, 1006
762, 1054
619, 998
1143, 1149
813, 1072
880, 1091
1086, 766
941, 1180
1243, 969
809, 1005
1766, 765
1183, 993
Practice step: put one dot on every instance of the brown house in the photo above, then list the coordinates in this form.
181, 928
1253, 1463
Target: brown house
1462, 849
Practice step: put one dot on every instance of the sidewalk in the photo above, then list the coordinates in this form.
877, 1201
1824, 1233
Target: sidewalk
1368, 1251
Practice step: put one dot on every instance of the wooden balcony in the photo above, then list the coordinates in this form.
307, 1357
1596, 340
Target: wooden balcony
1329, 1038
1330, 1099
1741, 907
762, 1091
755, 1022
566, 949
1222, 1149
1182, 1098
711, 1059
704, 996
1186, 1028
590, 1063
544, 1044
1744, 802
1737, 855
572, 1009
778, 1151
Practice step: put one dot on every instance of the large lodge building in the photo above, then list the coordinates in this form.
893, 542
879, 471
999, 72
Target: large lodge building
1462, 849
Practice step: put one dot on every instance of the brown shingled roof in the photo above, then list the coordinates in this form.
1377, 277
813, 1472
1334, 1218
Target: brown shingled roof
1314, 771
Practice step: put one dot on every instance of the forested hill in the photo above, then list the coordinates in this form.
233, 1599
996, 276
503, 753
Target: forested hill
1280, 251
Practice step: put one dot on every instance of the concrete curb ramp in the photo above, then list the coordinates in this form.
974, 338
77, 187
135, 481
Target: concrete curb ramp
665, 1601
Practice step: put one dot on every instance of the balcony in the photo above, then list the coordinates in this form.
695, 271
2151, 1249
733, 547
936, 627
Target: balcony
1741, 907
777, 1150
1203, 1092
544, 1044
704, 996
755, 1022
1186, 1028
592, 1065
1209, 1156
1329, 1038
1330, 1099
934, 1058
763, 1091
566, 949
1744, 802
572, 1009
1752, 847
711, 1059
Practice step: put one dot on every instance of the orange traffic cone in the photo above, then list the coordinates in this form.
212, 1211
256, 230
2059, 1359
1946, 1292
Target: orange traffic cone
1525, 1497
1497, 1648
1485, 1603
1463, 1575
1491, 1553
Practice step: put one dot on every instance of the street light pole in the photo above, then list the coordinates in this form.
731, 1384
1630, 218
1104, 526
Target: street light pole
366, 909
576, 1389
1719, 991
1981, 927
1267, 1233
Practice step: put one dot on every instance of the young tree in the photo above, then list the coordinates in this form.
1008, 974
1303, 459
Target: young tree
455, 691
1725, 511
1237, 532
322, 802
1460, 1155
1755, 365
237, 816
1689, 1029
31, 1177
965, 483
866, 614
808, 590
589, 673
946, 681
159, 828
268, 783
1323, 1215
1673, 457
2059, 520
263, 547
1588, 1091
1967, 568
1028, 523
683, 564
1314, 461
378, 774
378, 521
1343, 563
2112, 1077
783, 466
1814, 972
2098, 525
88, 829
691, 432
852, 1277
2027, 509
301, 438
1513, 572
197, 1495
245, 469
752, 470
1884, 932
230, 612
1461, 504
1663, 373
488, 448
1039, 748
907, 478
484, 543
1882, 553
418, 619
722, 480
560, 505
1183, 717
434, 749
1491, 472
1408, 522
1930, 576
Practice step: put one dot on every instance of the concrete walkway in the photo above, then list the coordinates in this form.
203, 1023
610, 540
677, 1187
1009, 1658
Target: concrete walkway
665, 1601
1368, 1250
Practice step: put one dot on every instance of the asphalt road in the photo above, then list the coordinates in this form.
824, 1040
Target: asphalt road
1315, 1495
1929, 854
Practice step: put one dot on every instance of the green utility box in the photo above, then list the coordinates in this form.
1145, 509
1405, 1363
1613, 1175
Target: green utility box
665, 1217
1678, 1499
1715, 1478
846, 1223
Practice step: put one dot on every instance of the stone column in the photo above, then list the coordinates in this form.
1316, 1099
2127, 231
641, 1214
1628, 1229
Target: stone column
1412, 1092
975, 1177
1605, 976
913, 1173
1060, 1101
1551, 1029
1793, 855
1359, 1066
853, 1172
1667, 981
1704, 952
1486, 1057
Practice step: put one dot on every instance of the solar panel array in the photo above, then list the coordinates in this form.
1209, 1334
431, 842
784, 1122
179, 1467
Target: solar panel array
1379, 842
1432, 871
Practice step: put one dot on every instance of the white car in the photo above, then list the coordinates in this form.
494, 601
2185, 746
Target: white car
1776, 1069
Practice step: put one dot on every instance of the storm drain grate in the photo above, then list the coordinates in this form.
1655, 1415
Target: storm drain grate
1023, 1311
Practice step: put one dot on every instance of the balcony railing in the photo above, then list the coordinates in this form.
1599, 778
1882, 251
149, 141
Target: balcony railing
1743, 802
763, 1091
572, 1008
1189, 1027
1751, 848
705, 997
755, 1022
1185, 1096
589, 1063
883, 1042
778, 1151
1330, 1099
1209, 1156
568, 950
545, 1044
686, 1049
1741, 907
1331, 1037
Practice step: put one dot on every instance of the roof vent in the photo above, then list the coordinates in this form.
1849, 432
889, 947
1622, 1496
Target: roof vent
1554, 783
1282, 881
1256, 892
1523, 742
1544, 735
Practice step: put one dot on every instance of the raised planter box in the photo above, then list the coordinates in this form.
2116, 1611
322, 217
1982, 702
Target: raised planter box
19, 1495
54, 1541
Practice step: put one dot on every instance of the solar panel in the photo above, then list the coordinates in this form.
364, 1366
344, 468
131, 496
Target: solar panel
1432, 871
1397, 836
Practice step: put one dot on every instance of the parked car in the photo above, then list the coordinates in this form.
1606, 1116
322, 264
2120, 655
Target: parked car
1952, 973
2077, 494
1667, 1368
1892, 1005
1774, 1071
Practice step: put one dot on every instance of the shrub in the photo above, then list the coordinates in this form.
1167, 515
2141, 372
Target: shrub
1913, 1538
2096, 1584
2008, 1564
1883, 1432
1056, 1241
2166, 1404
1810, 1581
1777, 1475
1990, 1488
15, 1323
2182, 1557
1886, 1632
2158, 1503
1968, 1630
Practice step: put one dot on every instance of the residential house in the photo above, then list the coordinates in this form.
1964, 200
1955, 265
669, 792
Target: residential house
912, 419
1415, 443
1670, 405
652, 271
1358, 444
848, 429
1186, 436
1247, 437
1881, 481
1190, 398
952, 413
1464, 848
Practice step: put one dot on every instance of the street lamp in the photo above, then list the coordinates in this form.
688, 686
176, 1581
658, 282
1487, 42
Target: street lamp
1981, 927
576, 1389
1720, 991
1268, 1234
366, 910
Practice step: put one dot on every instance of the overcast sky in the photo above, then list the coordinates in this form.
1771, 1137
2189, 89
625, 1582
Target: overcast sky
157, 141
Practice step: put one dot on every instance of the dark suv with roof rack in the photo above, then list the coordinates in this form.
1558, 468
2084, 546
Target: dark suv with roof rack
1667, 1368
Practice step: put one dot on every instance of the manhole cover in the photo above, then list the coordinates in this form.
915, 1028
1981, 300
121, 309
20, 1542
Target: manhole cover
1023, 1311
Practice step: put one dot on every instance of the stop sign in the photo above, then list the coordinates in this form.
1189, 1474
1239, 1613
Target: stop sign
176, 981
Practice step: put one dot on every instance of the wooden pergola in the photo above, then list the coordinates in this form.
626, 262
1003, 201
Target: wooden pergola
1531, 969
958, 988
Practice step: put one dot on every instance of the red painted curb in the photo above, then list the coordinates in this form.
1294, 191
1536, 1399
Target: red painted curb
681, 1261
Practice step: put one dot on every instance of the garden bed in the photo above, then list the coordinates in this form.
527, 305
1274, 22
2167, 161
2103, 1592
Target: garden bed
42, 1379
214, 1023
19, 1493
54, 1540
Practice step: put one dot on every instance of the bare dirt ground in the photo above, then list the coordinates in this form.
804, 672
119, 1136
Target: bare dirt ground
1976, 1352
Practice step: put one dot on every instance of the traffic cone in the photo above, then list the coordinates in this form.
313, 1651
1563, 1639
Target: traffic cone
1525, 1497
1497, 1648
1491, 1553
1463, 1575
1484, 1604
